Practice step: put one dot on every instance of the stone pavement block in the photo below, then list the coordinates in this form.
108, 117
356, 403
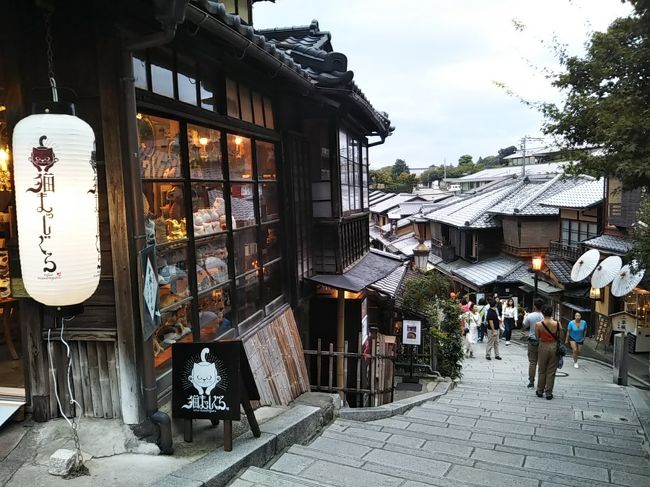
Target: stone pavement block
628, 443
339, 428
343, 476
440, 439
358, 424
268, 478
408, 462
461, 421
390, 423
449, 448
174, 481
293, 425
566, 468
292, 464
498, 457
486, 438
557, 433
307, 452
241, 483
353, 439
417, 478
407, 441
426, 414
630, 479
491, 479
511, 428
613, 456
338, 447
436, 430
365, 433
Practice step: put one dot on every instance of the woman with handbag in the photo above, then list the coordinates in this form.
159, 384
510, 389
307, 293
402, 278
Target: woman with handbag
509, 319
548, 332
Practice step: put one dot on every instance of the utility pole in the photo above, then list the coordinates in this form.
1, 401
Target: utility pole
524, 139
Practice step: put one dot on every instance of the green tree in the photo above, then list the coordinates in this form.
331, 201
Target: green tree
607, 99
505, 152
465, 160
382, 177
407, 182
398, 168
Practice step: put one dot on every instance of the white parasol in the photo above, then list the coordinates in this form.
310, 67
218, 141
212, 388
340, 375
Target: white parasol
606, 271
625, 281
585, 265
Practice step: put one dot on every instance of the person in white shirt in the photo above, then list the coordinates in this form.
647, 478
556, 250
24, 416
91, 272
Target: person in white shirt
509, 319
530, 321
472, 324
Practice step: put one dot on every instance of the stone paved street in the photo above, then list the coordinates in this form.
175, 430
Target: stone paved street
490, 430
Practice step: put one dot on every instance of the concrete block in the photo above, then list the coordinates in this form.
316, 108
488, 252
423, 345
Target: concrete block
62, 462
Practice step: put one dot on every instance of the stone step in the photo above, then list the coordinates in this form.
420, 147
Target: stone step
255, 476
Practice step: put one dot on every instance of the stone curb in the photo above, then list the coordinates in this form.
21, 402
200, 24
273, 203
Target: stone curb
217, 468
395, 408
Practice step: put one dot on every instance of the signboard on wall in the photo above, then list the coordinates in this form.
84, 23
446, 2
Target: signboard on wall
149, 287
206, 380
604, 330
364, 320
411, 332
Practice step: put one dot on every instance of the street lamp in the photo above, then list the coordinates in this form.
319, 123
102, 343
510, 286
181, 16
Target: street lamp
421, 256
594, 293
538, 262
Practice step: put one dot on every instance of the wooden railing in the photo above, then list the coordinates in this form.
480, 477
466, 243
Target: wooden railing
524, 251
566, 251
369, 373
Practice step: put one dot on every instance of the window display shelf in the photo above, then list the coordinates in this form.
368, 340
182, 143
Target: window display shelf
171, 245
177, 305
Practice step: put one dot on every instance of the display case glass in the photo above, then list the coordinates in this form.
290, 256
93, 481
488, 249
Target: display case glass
242, 201
211, 263
204, 148
214, 313
240, 158
164, 210
208, 209
159, 149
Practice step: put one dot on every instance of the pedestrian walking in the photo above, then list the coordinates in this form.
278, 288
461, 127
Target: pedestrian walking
548, 332
509, 319
473, 323
482, 310
576, 330
492, 331
498, 306
529, 323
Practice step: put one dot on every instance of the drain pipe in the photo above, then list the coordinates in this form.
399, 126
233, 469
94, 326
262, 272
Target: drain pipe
170, 13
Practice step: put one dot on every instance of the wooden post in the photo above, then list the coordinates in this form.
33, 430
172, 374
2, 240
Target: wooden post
330, 375
30, 318
227, 435
319, 358
340, 339
373, 366
188, 432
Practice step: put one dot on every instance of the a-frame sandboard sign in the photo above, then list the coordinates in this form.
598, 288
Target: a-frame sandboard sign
211, 381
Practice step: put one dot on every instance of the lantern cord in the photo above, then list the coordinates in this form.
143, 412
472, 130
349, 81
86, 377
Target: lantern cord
80, 468
55, 93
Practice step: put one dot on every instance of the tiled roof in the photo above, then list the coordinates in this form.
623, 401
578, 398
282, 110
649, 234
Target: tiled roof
588, 194
380, 197
434, 259
406, 244
610, 243
500, 172
404, 222
471, 212
390, 203
542, 286
390, 284
306, 51
562, 270
489, 270
517, 274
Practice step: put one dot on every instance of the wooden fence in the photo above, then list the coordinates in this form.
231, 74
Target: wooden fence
369, 371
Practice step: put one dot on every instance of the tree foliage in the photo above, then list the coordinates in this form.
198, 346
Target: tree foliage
425, 295
400, 167
641, 249
394, 179
607, 99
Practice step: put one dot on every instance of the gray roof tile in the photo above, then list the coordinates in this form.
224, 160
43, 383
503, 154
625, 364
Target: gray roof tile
390, 284
585, 195
610, 243
489, 270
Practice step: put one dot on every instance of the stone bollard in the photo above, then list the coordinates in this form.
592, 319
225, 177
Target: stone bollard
619, 359
62, 462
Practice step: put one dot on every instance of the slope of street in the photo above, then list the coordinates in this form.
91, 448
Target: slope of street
490, 430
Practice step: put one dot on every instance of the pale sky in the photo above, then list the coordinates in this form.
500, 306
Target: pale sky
431, 64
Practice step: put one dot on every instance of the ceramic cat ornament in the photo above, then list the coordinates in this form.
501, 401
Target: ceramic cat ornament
204, 375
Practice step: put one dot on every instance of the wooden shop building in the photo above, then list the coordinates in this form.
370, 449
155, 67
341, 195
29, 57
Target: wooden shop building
238, 157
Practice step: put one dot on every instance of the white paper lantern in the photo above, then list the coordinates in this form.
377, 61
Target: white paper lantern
55, 178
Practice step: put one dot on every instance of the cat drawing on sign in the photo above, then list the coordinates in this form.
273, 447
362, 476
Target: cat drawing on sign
204, 374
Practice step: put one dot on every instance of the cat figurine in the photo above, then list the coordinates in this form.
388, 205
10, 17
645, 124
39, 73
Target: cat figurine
204, 375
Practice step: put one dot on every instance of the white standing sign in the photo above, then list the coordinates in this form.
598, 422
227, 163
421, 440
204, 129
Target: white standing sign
411, 332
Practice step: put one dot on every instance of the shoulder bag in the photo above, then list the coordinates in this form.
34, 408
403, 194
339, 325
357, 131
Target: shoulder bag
560, 347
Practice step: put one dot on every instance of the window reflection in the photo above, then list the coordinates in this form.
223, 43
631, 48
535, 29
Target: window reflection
248, 293
265, 160
272, 281
162, 76
214, 313
204, 147
242, 205
270, 242
246, 251
186, 80
232, 99
269, 202
211, 263
240, 157
140, 70
158, 147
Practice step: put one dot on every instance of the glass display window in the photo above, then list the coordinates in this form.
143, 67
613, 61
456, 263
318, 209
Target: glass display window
175, 327
204, 148
242, 205
164, 210
248, 296
208, 209
272, 281
162, 72
159, 147
269, 202
214, 313
186, 80
140, 70
266, 161
173, 282
245, 104
211, 263
258, 109
240, 157
271, 248
245, 250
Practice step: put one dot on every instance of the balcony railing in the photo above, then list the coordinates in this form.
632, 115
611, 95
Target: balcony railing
443, 249
339, 244
524, 251
566, 251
